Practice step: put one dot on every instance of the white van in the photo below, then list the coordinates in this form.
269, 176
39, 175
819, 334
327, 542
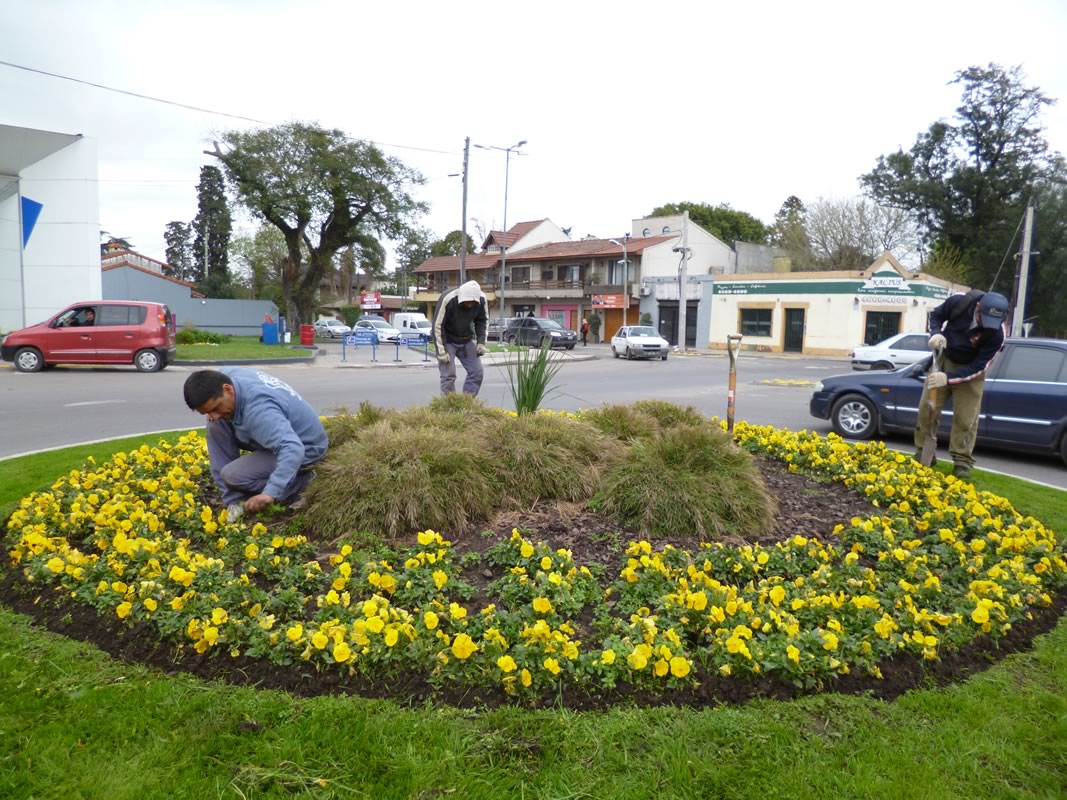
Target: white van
412, 324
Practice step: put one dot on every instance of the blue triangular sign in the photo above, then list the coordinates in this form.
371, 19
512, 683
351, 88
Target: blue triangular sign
31, 210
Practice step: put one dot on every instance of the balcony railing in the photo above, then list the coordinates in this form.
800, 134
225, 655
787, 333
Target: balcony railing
517, 286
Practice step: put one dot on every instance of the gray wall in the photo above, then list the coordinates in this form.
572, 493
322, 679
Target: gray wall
650, 304
235, 317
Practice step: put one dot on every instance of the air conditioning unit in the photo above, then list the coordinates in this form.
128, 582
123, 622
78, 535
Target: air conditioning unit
645, 291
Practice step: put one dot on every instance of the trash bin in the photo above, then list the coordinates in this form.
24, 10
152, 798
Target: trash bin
307, 334
270, 333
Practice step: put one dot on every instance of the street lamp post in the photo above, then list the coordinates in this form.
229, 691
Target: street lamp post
625, 274
504, 243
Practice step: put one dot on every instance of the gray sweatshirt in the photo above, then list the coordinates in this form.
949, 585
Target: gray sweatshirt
270, 415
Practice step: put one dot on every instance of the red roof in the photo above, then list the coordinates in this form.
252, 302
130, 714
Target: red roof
128, 265
516, 232
451, 263
586, 248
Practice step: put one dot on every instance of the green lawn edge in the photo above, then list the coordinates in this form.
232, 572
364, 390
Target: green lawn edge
239, 347
76, 723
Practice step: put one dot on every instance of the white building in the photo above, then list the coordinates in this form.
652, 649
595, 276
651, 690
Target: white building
49, 224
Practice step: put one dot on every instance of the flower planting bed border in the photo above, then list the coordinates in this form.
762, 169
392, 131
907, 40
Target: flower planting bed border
141, 643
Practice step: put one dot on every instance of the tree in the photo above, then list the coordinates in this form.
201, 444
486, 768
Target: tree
852, 232
178, 237
790, 232
966, 183
260, 261
323, 191
724, 222
451, 245
212, 226
410, 253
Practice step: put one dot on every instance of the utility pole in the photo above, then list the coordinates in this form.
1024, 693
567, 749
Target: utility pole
1022, 273
463, 228
683, 280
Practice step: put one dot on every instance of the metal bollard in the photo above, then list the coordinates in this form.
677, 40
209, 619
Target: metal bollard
733, 345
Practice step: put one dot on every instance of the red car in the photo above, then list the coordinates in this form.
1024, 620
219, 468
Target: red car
98, 332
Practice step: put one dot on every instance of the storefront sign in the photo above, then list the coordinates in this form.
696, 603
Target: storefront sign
609, 300
370, 300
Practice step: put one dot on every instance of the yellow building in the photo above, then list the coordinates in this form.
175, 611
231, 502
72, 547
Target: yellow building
824, 313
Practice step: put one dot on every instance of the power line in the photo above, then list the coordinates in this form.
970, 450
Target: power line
202, 109
133, 94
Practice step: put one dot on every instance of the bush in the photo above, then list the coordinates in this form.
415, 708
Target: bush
551, 456
351, 314
624, 423
197, 336
689, 479
668, 415
530, 378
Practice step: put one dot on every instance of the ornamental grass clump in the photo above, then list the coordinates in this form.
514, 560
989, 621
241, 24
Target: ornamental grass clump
550, 456
530, 378
689, 479
393, 479
624, 423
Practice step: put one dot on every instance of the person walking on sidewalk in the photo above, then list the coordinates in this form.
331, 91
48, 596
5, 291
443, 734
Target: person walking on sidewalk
247, 409
584, 330
459, 324
969, 330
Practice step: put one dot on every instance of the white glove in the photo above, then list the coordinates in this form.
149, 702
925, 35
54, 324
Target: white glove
935, 380
481, 350
937, 342
442, 357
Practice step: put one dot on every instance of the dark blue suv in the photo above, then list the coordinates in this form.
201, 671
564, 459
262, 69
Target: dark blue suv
1024, 405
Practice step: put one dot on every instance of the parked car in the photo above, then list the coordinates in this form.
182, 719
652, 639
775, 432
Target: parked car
412, 324
332, 328
897, 351
385, 331
97, 332
1024, 405
639, 341
500, 328
538, 331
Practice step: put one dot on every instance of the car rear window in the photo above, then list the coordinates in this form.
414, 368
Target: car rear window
121, 315
912, 343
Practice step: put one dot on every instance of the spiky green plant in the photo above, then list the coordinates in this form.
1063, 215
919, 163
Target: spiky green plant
530, 378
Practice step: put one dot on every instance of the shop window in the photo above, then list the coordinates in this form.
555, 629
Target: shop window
756, 321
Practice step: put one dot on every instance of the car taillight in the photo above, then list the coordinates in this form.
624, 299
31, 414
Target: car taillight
162, 320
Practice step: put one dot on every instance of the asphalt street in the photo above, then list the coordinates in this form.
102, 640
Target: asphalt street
68, 405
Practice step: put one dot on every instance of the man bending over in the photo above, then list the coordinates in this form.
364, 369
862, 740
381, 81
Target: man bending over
247, 409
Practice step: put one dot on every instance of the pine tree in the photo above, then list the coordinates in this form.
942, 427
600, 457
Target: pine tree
212, 226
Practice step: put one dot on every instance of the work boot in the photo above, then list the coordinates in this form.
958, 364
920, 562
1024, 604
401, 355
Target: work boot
962, 471
919, 458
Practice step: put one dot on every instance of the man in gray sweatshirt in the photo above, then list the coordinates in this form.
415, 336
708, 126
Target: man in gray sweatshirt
247, 409
459, 325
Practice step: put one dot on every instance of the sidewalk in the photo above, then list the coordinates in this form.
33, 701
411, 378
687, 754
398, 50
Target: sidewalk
389, 356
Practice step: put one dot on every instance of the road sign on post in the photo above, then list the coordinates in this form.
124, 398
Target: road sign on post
361, 337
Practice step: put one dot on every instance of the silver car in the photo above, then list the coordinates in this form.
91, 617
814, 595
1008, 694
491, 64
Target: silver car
332, 328
901, 350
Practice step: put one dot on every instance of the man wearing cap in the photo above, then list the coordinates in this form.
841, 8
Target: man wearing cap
969, 330
459, 324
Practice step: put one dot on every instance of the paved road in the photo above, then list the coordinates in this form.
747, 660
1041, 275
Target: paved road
69, 405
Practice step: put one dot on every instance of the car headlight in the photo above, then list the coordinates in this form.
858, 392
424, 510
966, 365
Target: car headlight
818, 386
556, 333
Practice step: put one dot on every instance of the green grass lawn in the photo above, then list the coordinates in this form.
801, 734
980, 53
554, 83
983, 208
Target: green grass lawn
238, 347
76, 724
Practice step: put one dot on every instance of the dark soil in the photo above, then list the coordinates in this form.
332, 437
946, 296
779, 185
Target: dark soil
804, 506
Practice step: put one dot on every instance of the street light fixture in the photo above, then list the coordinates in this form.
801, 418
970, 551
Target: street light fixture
625, 274
504, 243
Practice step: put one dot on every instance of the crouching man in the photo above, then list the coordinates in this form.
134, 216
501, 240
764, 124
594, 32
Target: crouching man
247, 409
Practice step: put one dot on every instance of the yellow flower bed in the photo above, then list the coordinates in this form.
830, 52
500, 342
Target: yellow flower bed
937, 565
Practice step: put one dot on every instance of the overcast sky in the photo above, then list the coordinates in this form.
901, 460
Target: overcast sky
624, 106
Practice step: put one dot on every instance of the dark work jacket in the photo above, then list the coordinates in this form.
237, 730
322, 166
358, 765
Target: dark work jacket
973, 347
454, 323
